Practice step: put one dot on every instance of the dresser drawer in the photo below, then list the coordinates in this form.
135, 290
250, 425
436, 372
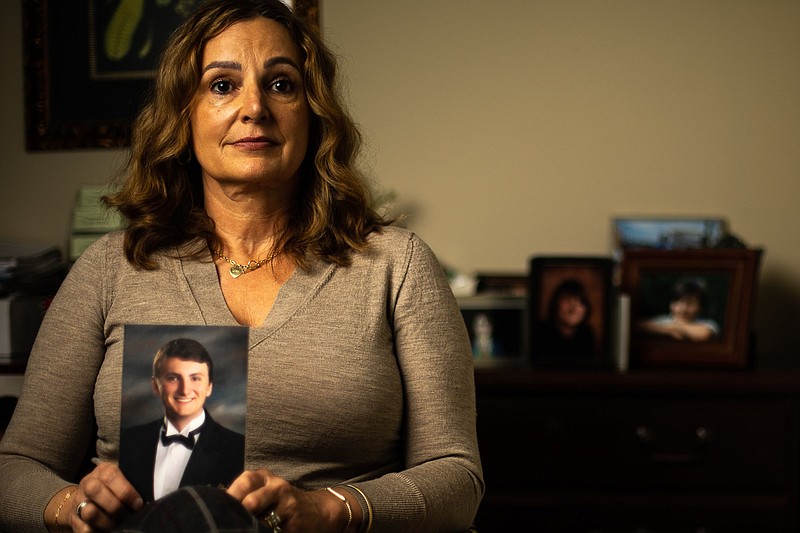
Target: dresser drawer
555, 512
637, 443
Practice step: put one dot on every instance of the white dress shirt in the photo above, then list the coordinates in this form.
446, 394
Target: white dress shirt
171, 460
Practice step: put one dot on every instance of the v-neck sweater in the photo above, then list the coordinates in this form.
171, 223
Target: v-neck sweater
359, 374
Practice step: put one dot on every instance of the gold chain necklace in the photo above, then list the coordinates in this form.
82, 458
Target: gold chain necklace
239, 269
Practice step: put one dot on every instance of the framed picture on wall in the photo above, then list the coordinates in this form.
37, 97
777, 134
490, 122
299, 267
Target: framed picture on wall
690, 308
570, 311
496, 327
88, 64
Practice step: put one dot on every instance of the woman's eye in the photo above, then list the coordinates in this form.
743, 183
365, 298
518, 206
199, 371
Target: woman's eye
282, 86
221, 86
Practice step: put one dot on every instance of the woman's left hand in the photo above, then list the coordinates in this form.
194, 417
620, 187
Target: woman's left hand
262, 493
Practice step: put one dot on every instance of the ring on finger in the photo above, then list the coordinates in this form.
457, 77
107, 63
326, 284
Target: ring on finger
274, 521
80, 507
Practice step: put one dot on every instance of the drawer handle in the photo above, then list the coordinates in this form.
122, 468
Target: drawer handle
647, 440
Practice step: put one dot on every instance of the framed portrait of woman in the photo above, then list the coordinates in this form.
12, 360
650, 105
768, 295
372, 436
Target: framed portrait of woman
570, 311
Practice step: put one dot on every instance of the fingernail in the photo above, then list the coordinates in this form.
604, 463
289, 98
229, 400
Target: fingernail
138, 503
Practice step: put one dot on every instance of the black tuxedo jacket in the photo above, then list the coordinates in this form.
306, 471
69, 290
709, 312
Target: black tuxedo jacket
217, 457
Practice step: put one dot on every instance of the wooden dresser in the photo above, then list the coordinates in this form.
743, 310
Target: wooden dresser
646, 451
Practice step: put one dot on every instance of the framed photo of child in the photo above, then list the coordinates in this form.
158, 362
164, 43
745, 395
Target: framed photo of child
690, 308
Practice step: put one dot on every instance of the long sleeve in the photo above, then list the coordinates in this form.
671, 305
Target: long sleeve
443, 478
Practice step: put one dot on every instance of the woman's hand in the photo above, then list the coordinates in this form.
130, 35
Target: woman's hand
262, 492
104, 498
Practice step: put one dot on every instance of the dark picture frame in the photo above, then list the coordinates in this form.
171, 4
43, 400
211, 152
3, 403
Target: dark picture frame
505, 284
723, 282
67, 104
496, 326
587, 341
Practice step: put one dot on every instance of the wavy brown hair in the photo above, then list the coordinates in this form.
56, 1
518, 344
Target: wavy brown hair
161, 196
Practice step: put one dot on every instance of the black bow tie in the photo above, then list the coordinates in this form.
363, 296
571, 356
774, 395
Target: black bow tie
187, 441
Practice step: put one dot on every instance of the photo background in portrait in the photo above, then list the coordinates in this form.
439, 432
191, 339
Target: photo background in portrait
655, 290
227, 346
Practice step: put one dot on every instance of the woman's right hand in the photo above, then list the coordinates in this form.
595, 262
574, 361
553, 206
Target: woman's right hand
109, 498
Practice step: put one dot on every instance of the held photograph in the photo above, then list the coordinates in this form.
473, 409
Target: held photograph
183, 406
690, 308
570, 305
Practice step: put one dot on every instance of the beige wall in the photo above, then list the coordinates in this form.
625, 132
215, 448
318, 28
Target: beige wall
521, 127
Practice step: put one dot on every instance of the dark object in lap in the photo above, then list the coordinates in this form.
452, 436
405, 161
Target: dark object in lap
197, 509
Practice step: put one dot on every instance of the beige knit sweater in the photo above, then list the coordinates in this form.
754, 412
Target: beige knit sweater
359, 374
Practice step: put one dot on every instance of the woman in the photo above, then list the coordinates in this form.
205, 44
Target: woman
566, 331
244, 207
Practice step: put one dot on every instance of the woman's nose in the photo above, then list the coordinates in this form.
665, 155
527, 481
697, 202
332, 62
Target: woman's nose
255, 105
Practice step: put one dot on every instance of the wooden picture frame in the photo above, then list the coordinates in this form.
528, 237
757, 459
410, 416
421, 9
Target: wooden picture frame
582, 333
67, 104
715, 295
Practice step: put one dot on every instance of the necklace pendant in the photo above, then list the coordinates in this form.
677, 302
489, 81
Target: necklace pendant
236, 271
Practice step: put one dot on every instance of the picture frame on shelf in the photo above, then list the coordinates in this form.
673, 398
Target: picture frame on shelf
502, 284
691, 308
571, 311
668, 233
496, 328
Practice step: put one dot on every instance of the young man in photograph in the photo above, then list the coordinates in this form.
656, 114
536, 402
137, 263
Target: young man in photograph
186, 446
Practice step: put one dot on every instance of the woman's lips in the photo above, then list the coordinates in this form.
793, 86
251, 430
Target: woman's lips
255, 143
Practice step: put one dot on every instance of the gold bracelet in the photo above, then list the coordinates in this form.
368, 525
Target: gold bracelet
369, 507
60, 505
347, 504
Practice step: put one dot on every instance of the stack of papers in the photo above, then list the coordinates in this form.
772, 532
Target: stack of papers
91, 219
30, 268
